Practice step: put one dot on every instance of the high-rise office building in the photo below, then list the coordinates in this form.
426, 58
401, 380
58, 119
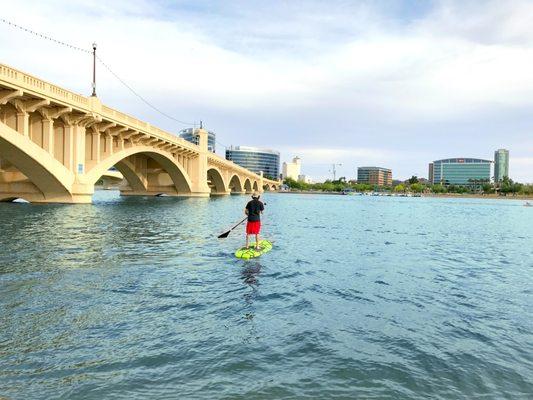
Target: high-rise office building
292, 169
191, 135
430, 172
461, 171
255, 159
374, 176
501, 164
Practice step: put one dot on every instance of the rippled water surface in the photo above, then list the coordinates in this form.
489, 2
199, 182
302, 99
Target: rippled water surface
361, 297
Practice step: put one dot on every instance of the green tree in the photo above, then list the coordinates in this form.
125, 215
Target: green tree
413, 179
439, 189
516, 188
291, 183
328, 186
487, 188
399, 188
506, 185
417, 187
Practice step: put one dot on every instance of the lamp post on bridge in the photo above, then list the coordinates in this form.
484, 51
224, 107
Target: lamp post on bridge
94, 70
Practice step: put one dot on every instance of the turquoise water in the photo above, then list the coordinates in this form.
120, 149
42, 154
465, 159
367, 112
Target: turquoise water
361, 297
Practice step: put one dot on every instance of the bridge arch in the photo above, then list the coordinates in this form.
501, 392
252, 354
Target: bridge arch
127, 169
247, 186
48, 176
255, 186
176, 172
8, 199
235, 184
214, 176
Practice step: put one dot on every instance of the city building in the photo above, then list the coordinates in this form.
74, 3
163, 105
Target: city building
430, 172
190, 135
374, 176
304, 179
292, 169
255, 159
461, 171
501, 164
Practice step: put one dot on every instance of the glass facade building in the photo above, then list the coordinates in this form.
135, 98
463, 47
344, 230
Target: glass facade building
255, 159
190, 135
501, 164
461, 171
374, 176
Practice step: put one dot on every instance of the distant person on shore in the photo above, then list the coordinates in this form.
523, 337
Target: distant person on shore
253, 210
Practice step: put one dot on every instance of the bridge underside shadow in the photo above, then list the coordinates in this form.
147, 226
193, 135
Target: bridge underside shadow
216, 182
31, 173
150, 174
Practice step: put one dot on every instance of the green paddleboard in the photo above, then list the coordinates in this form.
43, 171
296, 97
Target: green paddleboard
244, 253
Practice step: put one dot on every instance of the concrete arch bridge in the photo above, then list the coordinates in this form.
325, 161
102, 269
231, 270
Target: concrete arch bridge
55, 145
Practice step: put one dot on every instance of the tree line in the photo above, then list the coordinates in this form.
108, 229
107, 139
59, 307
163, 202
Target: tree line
413, 185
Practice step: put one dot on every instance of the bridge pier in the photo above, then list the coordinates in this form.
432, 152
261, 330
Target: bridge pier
198, 172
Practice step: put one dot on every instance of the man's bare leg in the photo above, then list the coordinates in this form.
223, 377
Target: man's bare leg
246, 240
257, 241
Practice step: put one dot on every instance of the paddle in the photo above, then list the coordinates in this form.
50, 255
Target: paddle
225, 234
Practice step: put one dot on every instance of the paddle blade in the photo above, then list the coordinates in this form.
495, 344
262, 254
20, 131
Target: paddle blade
224, 235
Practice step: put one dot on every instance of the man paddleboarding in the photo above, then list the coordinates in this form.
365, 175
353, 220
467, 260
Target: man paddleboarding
253, 210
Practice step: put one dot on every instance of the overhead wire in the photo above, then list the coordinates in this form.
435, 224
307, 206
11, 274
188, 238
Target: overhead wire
141, 97
133, 91
222, 144
44, 36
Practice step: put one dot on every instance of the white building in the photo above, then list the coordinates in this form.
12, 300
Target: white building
304, 179
292, 170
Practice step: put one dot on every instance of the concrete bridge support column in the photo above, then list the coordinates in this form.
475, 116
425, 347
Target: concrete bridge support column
69, 148
197, 168
78, 149
48, 135
261, 182
23, 123
95, 146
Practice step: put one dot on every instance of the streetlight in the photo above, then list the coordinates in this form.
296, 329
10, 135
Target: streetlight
94, 70
333, 170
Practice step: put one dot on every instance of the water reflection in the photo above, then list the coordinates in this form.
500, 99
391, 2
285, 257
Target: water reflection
249, 276
250, 273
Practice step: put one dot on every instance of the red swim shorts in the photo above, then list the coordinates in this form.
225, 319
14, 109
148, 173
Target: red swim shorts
253, 227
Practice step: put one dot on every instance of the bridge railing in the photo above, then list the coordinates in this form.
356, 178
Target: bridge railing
43, 88
18, 78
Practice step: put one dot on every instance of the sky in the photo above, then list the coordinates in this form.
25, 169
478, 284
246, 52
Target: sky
387, 83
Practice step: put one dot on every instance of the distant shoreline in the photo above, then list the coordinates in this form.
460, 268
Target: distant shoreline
443, 195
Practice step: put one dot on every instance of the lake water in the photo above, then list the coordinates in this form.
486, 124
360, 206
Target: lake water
361, 297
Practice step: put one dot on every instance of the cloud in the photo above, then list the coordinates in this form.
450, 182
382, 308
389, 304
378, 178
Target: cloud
520, 169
